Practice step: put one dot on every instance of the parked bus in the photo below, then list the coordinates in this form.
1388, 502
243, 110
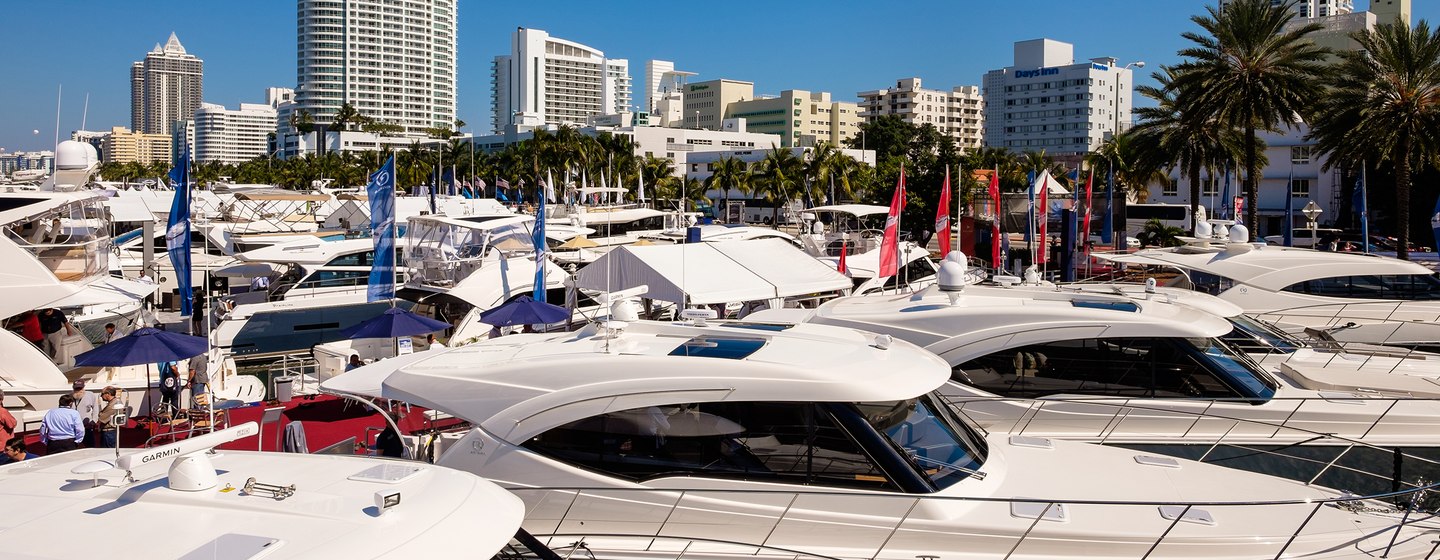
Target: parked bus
1136, 215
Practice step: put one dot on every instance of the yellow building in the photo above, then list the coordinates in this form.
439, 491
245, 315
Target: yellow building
706, 102
801, 118
124, 146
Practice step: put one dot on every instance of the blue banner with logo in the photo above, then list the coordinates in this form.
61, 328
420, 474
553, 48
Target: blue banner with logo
1107, 221
537, 236
381, 192
177, 232
1362, 207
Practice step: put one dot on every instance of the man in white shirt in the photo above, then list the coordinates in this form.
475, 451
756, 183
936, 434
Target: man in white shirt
88, 405
434, 344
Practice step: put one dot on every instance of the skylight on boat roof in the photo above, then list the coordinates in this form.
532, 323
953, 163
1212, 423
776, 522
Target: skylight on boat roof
1110, 305
729, 348
772, 327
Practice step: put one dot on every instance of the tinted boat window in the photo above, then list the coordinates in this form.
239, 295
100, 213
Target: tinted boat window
928, 437
1250, 335
1115, 367
782, 441
1373, 286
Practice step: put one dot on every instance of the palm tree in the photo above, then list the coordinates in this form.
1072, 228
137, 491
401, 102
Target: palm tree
1252, 73
1175, 132
1157, 234
776, 177
1133, 173
729, 173
1382, 104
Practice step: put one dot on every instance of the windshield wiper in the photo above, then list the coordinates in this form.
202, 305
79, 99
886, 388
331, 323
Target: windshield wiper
979, 475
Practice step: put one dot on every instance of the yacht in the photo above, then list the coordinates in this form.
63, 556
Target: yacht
613, 223
319, 291
717, 439
1347, 297
850, 229
189, 500
1123, 368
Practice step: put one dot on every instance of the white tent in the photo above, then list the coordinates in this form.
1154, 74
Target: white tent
710, 273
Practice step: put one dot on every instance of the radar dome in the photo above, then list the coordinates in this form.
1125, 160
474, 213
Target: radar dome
75, 155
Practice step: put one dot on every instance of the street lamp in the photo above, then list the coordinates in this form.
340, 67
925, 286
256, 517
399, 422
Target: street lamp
1118, 75
1121, 243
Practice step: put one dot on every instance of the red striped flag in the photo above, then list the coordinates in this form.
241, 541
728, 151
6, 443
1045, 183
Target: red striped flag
890, 243
942, 215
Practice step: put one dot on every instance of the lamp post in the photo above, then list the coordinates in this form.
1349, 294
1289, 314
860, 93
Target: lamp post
1121, 243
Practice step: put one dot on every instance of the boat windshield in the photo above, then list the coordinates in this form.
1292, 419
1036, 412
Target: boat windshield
1258, 337
1250, 377
937, 445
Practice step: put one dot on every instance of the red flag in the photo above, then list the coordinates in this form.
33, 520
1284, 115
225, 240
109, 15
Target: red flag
995, 224
1239, 208
890, 243
1042, 215
844, 244
1085, 234
942, 215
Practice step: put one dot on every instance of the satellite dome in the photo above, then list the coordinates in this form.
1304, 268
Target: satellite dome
75, 155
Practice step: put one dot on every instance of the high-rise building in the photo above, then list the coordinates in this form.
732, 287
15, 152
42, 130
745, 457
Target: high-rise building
233, 136
548, 80
956, 113
801, 118
1049, 102
1339, 21
393, 60
1312, 8
707, 102
166, 86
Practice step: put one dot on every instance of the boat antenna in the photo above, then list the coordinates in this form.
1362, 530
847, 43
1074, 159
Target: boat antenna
58, 91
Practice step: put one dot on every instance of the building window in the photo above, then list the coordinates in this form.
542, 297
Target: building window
1300, 188
1209, 187
1171, 188
1300, 154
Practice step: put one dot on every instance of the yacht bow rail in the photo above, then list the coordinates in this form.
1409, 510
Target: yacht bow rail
1103, 420
771, 518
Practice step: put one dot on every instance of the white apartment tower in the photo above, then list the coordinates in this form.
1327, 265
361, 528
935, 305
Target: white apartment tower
233, 136
1049, 102
957, 113
547, 80
165, 87
393, 60
1312, 8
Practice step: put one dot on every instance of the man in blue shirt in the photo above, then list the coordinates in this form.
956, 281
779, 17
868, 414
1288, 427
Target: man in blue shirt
15, 451
62, 428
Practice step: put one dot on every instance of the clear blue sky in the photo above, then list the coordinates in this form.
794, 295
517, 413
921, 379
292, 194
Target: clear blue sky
838, 46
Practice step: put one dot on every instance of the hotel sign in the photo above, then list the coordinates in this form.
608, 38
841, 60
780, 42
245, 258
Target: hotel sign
1036, 72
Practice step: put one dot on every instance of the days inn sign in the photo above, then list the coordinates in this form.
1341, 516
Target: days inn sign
1053, 71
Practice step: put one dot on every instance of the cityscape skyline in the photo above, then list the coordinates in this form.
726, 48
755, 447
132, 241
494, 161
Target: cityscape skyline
796, 46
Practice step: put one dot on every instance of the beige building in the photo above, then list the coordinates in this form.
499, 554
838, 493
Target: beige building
165, 87
958, 113
124, 146
706, 102
801, 118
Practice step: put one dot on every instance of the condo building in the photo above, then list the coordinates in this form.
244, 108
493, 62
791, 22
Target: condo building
801, 118
166, 86
122, 145
233, 135
957, 113
549, 80
706, 103
393, 60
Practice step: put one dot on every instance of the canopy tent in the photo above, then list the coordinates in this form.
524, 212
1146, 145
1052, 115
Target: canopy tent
710, 273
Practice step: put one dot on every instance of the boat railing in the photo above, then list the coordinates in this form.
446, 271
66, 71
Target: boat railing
302, 367
759, 522
1289, 442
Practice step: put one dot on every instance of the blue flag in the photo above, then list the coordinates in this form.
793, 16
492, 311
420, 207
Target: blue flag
1289, 240
381, 192
1225, 202
1107, 221
1362, 207
537, 236
177, 231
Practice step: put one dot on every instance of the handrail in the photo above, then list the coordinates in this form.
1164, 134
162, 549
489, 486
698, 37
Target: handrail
677, 498
1028, 410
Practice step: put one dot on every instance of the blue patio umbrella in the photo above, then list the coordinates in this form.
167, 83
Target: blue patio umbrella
395, 323
524, 310
144, 346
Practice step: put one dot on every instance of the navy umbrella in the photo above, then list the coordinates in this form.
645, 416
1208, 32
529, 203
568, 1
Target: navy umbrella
523, 310
395, 323
144, 346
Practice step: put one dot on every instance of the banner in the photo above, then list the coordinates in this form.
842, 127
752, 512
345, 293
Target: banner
537, 236
177, 232
942, 215
890, 243
381, 192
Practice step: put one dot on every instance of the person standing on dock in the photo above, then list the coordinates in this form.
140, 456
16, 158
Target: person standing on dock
87, 405
55, 327
61, 429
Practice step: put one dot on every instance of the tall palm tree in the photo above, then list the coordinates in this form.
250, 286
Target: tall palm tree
777, 176
1252, 73
1133, 173
820, 167
1382, 104
1177, 133
729, 173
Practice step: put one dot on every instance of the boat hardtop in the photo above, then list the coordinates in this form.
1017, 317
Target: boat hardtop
1269, 267
183, 501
